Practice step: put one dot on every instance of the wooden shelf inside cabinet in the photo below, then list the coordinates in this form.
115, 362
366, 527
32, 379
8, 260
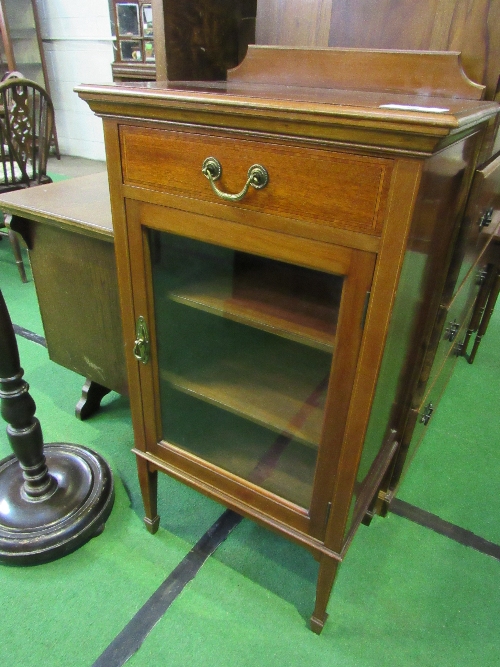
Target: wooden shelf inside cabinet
293, 302
263, 387
286, 316
215, 298
255, 453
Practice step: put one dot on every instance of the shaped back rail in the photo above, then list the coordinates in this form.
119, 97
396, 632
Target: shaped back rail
471, 27
437, 74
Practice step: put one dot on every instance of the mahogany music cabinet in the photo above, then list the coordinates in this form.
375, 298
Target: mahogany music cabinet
284, 241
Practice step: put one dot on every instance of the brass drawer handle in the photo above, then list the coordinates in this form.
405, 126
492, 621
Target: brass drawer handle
257, 178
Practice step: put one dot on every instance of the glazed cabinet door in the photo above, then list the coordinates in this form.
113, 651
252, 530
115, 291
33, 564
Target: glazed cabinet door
254, 339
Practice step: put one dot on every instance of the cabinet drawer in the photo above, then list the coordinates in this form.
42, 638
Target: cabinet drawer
307, 184
429, 404
482, 216
457, 318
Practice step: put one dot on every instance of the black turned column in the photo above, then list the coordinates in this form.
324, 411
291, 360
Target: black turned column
52, 498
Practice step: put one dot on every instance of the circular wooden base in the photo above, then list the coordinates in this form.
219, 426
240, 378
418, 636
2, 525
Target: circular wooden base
72, 510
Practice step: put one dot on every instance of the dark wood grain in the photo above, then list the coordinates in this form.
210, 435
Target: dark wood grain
204, 38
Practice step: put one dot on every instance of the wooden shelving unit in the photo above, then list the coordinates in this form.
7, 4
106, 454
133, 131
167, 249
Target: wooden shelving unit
268, 333
195, 39
132, 23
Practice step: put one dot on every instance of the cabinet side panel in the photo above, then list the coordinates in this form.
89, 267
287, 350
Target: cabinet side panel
77, 290
401, 203
445, 181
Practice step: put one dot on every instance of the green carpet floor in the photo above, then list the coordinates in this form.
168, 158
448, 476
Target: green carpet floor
405, 596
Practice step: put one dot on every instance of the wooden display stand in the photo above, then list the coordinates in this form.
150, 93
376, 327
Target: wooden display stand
286, 245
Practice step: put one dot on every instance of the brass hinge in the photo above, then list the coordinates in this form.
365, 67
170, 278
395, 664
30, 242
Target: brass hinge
327, 514
365, 310
451, 331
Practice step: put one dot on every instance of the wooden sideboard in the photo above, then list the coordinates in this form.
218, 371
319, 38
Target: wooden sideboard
67, 228
290, 245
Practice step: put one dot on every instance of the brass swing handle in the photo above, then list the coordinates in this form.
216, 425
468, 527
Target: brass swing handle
257, 178
141, 343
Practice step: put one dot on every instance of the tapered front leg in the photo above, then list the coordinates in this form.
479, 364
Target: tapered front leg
148, 481
326, 576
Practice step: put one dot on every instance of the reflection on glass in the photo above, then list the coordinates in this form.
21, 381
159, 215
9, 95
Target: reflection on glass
128, 19
3, 57
147, 20
130, 50
245, 347
149, 50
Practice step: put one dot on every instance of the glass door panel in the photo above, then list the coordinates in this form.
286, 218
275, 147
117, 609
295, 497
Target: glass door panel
245, 349
128, 19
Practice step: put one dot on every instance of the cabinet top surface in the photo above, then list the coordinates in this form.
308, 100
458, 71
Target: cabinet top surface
433, 111
424, 94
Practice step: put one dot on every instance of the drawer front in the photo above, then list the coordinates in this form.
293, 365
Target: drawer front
457, 318
491, 143
482, 216
429, 405
308, 184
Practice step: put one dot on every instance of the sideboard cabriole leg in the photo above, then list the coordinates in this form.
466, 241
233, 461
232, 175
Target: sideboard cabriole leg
326, 576
148, 480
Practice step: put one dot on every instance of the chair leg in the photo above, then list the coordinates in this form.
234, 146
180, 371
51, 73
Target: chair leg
16, 249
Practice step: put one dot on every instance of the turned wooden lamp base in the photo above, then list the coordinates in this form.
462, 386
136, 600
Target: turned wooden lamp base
73, 510
53, 499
